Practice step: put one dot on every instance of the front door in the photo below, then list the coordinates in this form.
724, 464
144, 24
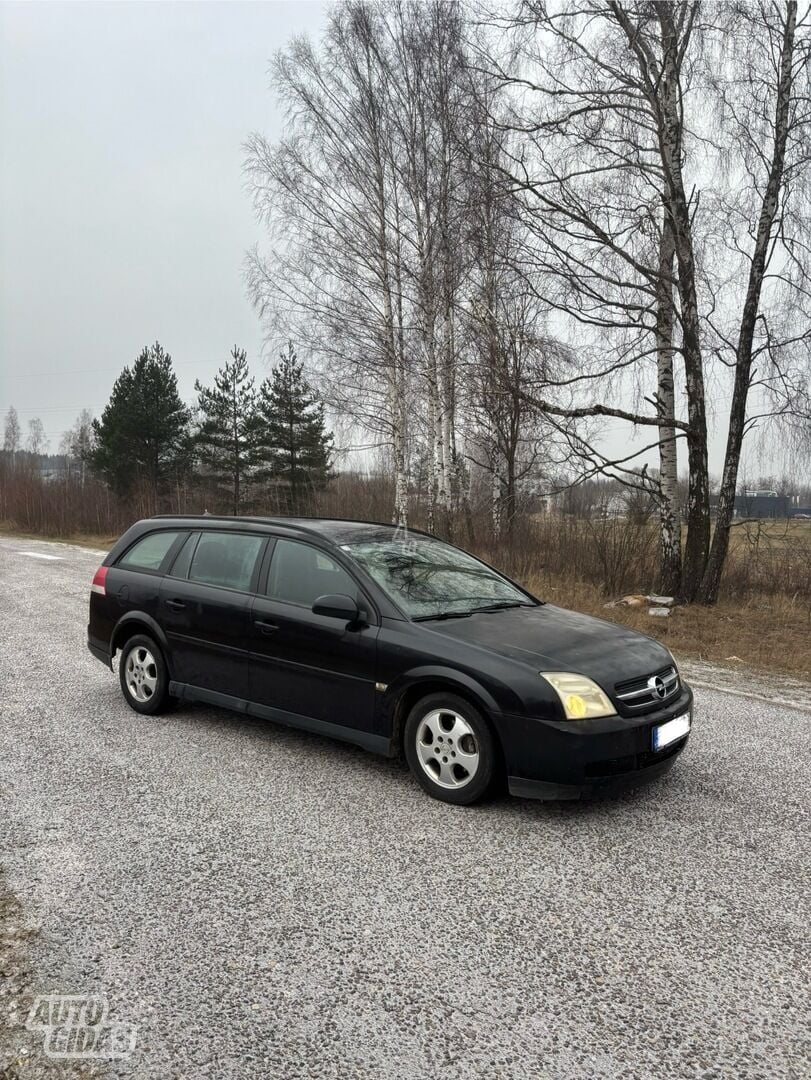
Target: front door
312, 665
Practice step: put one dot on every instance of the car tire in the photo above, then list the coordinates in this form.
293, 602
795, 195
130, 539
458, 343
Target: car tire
144, 676
450, 748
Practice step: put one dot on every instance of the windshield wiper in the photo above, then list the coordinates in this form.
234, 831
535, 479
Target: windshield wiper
500, 606
443, 615
497, 606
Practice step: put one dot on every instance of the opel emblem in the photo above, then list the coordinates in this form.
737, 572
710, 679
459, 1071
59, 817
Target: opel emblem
657, 685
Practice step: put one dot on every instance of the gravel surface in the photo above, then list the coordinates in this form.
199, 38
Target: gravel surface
259, 902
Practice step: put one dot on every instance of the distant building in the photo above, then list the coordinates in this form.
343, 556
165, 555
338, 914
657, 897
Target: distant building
766, 504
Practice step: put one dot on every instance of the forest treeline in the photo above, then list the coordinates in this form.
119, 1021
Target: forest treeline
238, 448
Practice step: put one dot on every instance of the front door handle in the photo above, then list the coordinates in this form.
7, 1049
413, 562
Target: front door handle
265, 627
176, 605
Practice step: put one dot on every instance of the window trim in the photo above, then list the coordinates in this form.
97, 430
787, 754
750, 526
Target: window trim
371, 611
171, 552
257, 566
193, 535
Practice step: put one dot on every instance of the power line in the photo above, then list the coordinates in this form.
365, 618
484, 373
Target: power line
60, 408
98, 371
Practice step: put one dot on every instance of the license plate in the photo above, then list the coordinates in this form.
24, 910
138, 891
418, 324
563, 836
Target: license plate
668, 733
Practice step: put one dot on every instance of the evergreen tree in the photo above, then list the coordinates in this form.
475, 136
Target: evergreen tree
226, 437
293, 441
142, 441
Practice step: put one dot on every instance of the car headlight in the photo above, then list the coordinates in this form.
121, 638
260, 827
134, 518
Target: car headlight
581, 698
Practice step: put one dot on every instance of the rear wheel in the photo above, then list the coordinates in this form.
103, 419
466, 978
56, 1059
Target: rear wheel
144, 676
450, 749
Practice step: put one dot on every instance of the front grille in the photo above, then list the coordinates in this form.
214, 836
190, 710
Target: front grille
648, 691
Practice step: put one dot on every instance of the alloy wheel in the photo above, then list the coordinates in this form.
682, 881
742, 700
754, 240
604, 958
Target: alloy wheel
141, 674
447, 748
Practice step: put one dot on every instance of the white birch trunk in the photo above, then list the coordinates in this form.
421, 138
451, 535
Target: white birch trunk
669, 517
497, 500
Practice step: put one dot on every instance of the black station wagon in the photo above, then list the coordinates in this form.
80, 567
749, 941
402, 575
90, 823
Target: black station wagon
393, 640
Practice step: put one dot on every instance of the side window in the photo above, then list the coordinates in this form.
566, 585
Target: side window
149, 552
299, 574
226, 559
180, 567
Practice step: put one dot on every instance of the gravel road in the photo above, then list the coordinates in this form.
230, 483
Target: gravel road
259, 902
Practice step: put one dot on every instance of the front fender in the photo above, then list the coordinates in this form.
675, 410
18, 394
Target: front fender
434, 674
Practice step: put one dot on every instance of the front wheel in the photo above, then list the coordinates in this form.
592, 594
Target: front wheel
144, 677
450, 749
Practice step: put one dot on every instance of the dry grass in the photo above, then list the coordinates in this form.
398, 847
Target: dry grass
768, 633
86, 540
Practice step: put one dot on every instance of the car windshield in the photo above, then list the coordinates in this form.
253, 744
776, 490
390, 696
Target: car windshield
429, 579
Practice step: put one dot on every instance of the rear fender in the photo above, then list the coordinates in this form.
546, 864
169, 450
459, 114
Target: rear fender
138, 622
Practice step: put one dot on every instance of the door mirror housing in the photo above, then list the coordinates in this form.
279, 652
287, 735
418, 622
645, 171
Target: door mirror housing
337, 606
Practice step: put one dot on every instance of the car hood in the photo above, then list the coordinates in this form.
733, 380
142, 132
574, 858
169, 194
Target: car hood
550, 638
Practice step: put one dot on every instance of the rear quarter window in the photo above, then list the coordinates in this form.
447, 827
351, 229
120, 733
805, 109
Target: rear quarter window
149, 552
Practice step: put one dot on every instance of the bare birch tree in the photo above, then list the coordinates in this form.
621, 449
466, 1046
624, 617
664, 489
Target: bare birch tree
37, 441
11, 433
329, 195
763, 87
596, 98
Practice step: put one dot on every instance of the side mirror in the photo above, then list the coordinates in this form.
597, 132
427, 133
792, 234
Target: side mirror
337, 606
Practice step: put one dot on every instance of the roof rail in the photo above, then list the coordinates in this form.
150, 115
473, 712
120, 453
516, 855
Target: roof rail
285, 522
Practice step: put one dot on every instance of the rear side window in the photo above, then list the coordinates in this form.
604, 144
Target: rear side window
299, 574
226, 559
149, 552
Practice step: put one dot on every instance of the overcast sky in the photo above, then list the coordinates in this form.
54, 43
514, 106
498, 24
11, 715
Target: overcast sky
123, 218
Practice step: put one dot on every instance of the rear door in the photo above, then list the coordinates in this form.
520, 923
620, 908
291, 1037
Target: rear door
133, 582
307, 664
205, 604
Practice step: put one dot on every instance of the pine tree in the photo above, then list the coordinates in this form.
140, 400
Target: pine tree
142, 439
226, 438
294, 443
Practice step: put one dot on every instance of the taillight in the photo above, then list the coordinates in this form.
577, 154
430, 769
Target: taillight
99, 581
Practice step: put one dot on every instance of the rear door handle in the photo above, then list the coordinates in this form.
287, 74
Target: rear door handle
265, 627
175, 604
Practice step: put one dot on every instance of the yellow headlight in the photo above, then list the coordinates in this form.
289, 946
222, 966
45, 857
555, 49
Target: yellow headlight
580, 697
575, 706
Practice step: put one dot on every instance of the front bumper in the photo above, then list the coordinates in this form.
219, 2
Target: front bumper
573, 759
